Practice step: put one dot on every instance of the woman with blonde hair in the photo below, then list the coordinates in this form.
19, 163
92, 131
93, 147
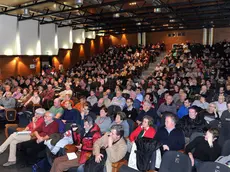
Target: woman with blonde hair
211, 113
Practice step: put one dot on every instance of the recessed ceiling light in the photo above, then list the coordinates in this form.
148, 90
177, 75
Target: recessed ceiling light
157, 10
138, 24
170, 27
132, 3
172, 20
165, 24
153, 29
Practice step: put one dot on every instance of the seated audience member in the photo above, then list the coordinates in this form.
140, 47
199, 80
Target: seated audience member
106, 100
225, 125
147, 110
138, 94
144, 130
86, 112
114, 144
92, 99
148, 98
97, 106
70, 115
192, 123
7, 102
168, 106
66, 91
204, 148
79, 106
221, 105
118, 100
201, 102
48, 96
56, 109
211, 113
67, 98
35, 99
182, 98
183, 110
16, 138
85, 147
24, 98
17, 94
7, 89
170, 137
31, 148
130, 111
103, 121
121, 119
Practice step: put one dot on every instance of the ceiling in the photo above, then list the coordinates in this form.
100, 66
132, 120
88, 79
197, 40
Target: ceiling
123, 16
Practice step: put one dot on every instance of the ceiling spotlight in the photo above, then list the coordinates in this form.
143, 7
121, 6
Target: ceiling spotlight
116, 15
138, 24
26, 12
79, 2
153, 29
132, 3
172, 20
157, 10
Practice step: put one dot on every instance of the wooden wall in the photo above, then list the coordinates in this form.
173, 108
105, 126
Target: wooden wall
124, 39
221, 34
18, 65
193, 36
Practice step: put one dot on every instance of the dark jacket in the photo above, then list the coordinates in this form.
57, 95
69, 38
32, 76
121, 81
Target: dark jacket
175, 140
151, 112
190, 126
202, 150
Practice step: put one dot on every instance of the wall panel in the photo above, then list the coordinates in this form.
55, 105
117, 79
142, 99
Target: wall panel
47, 35
28, 32
64, 37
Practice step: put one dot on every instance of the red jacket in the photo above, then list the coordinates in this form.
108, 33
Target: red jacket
87, 143
150, 133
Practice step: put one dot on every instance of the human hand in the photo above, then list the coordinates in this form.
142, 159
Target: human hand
191, 158
98, 158
79, 146
210, 141
39, 140
64, 121
165, 147
34, 119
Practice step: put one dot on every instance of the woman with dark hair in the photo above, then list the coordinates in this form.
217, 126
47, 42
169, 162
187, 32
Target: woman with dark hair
205, 148
103, 121
120, 119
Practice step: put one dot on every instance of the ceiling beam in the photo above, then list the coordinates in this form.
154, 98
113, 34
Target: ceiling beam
81, 8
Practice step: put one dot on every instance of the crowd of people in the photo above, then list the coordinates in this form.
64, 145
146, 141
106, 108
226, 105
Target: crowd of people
103, 106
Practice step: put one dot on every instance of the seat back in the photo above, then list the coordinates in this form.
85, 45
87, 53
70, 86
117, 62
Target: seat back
213, 167
175, 161
112, 111
11, 114
226, 148
131, 125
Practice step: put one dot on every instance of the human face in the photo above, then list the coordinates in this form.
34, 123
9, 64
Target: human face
169, 123
67, 105
129, 103
118, 119
47, 118
146, 107
8, 94
187, 103
220, 99
56, 103
169, 100
114, 135
212, 107
208, 136
87, 126
102, 113
145, 123
192, 113
92, 93
118, 94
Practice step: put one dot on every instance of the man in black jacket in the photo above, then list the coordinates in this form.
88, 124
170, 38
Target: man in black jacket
192, 123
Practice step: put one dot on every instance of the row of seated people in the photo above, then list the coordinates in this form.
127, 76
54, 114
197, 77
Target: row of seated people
169, 136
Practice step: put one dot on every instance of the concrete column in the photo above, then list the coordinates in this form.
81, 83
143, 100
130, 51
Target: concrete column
205, 36
144, 38
139, 41
210, 40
